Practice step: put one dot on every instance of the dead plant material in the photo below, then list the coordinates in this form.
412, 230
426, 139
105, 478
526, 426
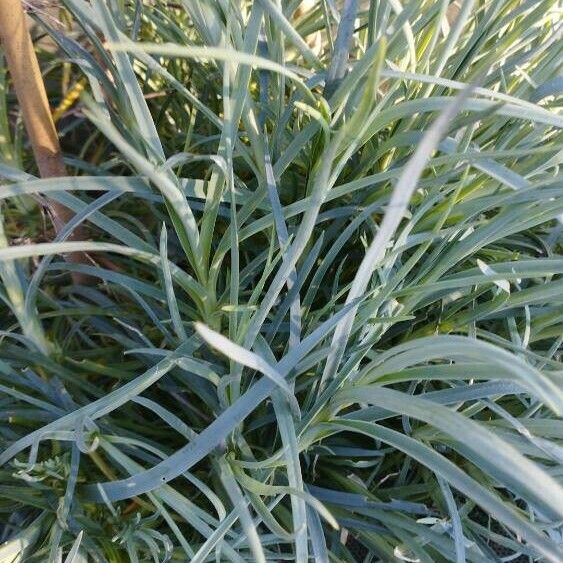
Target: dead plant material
32, 98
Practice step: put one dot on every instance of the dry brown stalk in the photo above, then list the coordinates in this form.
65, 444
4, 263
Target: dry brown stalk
32, 98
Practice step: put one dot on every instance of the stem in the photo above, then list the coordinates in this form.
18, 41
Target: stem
32, 98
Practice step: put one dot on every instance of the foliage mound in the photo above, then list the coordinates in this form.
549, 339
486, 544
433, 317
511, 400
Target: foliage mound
322, 313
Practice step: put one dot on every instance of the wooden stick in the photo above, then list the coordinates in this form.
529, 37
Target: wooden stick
32, 97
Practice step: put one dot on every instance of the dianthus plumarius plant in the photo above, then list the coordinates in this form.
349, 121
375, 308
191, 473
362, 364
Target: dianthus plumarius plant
324, 311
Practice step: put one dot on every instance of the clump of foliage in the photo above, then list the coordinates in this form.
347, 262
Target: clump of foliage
323, 311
